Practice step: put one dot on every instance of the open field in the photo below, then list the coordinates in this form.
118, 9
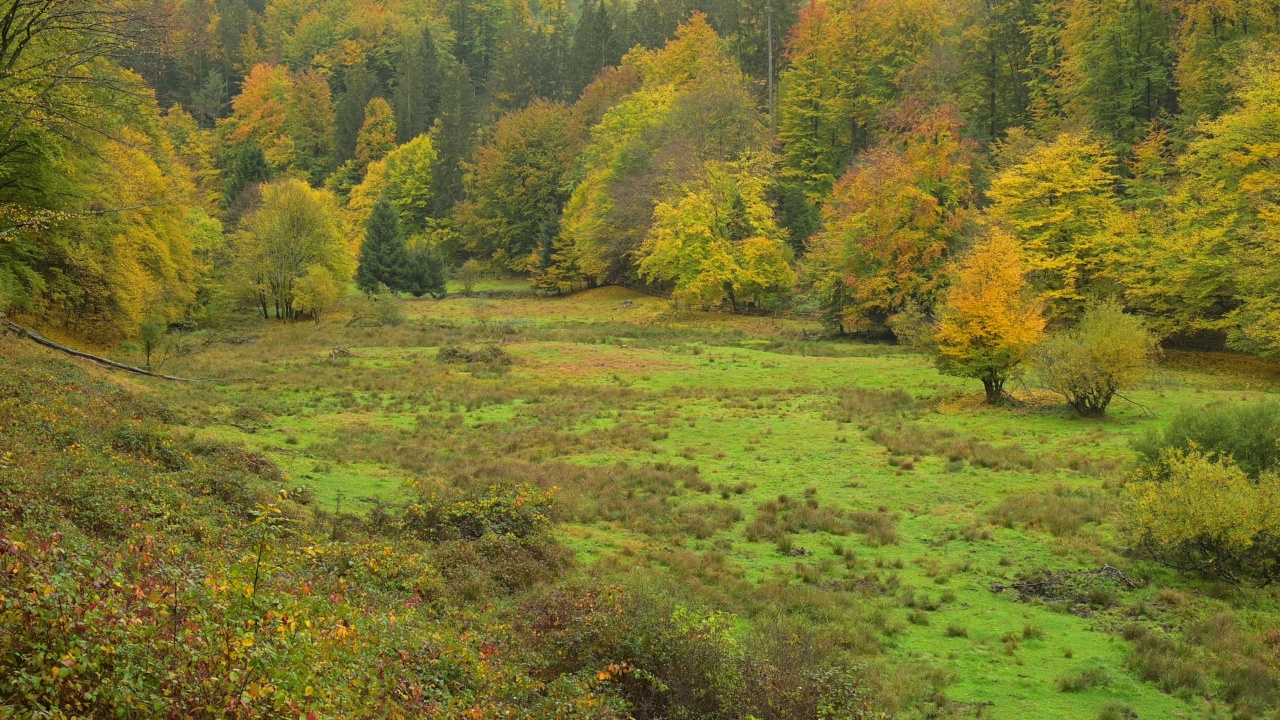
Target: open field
848, 484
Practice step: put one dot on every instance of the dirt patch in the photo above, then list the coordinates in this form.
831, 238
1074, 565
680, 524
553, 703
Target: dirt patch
1080, 592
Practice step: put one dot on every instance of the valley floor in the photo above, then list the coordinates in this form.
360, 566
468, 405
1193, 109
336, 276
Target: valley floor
739, 458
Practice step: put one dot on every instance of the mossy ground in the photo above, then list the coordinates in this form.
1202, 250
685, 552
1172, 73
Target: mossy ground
609, 376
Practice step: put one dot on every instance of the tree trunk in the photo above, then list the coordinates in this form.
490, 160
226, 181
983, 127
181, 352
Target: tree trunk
995, 389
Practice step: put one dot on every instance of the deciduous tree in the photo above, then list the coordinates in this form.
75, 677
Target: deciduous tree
1058, 199
295, 229
517, 182
719, 241
895, 220
989, 320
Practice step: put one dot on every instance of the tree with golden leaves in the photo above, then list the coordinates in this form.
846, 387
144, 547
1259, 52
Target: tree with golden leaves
988, 320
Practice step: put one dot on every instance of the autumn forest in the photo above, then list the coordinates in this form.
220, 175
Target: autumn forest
639, 358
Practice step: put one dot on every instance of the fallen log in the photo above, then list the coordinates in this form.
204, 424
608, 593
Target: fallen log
41, 340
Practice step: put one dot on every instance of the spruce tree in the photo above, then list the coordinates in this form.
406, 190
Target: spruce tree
245, 165
425, 273
454, 138
384, 259
360, 86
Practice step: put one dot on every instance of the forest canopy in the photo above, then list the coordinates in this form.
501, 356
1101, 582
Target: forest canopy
839, 157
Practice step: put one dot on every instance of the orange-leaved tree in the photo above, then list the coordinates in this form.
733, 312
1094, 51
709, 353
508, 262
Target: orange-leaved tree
894, 221
988, 319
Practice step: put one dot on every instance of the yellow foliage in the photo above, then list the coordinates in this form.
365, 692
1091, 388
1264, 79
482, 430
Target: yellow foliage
720, 240
1193, 499
1057, 201
988, 320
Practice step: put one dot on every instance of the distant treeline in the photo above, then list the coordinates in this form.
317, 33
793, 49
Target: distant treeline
840, 157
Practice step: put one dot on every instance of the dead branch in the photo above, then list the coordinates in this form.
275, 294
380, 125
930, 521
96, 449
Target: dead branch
41, 340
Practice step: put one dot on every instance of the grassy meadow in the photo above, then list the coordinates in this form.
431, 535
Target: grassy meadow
765, 472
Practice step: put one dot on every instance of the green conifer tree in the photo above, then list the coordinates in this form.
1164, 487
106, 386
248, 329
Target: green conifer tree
384, 259
425, 272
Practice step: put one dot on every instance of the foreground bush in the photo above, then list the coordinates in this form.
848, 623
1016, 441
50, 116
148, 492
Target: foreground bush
147, 575
1089, 364
1198, 513
671, 660
1248, 433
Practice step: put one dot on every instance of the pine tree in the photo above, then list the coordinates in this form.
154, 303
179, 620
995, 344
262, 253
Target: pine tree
454, 137
383, 255
593, 43
246, 165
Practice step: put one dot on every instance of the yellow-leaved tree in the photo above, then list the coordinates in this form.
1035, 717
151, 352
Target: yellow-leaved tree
719, 242
989, 320
285, 244
1058, 199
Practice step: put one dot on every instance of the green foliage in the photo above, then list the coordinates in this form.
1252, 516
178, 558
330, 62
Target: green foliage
150, 338
846, 69
384, 256
416, 95
1116, 73
673, 660
1229, 203
1245, 433
246, 166
295, 229
518, 184
425, 273
379, 307
1108, 351
469, 274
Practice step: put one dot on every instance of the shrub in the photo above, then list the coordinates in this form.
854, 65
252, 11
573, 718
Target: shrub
489, 354
1088, 364
1083, 680
1117, 711
704, 520
519, 511
1199, 513
1245, 432
1160, 659
378, 308
776, 518
672, 660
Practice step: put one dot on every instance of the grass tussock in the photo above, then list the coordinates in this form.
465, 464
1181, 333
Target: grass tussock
775, 519
1061, 511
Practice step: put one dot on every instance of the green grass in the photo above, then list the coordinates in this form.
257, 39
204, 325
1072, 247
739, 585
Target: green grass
610, 376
